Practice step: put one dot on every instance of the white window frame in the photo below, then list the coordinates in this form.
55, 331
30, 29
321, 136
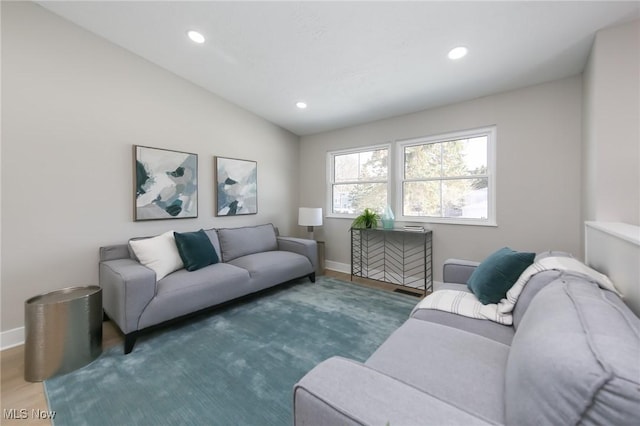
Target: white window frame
331, 175
491, 133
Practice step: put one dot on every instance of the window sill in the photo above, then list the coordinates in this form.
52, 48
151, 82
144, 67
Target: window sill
414, 221
447, 221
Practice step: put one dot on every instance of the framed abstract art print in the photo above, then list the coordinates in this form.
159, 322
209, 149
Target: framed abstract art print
236, 186
166, 184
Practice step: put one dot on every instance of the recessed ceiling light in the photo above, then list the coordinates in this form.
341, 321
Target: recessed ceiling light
458, 52
195, 36
301, 105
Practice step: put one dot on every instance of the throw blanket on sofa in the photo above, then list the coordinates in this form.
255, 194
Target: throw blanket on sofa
468, 305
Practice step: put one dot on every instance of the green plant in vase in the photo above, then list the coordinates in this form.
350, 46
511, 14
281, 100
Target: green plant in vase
368, 219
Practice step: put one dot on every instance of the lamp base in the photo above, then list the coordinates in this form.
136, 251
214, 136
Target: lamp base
310, 232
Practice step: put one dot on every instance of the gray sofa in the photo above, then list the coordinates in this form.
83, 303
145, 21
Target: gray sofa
571, 357
251, 259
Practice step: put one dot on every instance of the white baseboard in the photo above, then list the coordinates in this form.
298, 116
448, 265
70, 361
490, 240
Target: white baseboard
337, 266
11, 338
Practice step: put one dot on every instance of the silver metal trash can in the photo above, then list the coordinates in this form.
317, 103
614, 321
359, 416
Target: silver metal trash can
63, 331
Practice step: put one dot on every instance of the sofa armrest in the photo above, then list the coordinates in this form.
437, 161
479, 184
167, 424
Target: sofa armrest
457, 270
345, 392
127, 288
307, 248
113, 252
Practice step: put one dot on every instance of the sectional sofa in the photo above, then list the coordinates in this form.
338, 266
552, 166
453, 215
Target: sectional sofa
571, 356
150, 281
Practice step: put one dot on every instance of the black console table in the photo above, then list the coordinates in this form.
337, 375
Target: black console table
395, 256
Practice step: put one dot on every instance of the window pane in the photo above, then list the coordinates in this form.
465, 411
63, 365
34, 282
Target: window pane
465, 157
354, 198
373, 164
422, 199
466, 198
346, 167
422, 161
368, 165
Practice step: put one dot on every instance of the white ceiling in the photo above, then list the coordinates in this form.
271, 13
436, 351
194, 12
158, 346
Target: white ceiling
353, 62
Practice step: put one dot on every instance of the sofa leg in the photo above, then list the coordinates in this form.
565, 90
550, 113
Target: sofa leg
312, 277
129, 341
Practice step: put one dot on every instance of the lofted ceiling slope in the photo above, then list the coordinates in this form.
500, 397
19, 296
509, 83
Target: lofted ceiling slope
352, 62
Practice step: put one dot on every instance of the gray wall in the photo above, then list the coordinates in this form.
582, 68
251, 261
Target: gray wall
611, 170
538, 170
72, 107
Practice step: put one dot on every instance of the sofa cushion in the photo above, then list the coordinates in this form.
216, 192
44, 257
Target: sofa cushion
195, 249
213, 237
464, 369
158, 253
273, 267
184, 292
342, 392
533, 286
489, 329
496, 274
574, 358
237, 242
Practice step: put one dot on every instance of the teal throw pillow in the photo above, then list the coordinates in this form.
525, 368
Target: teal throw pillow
195, 249
498, 273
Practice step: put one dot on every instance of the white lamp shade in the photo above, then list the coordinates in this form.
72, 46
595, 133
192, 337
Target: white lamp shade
310, 216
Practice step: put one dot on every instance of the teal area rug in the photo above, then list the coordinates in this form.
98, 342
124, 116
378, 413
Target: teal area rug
234, 366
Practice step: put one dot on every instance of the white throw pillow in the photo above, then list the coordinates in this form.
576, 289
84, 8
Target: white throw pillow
158, 253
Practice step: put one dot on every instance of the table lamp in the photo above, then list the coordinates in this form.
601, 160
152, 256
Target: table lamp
310, 217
